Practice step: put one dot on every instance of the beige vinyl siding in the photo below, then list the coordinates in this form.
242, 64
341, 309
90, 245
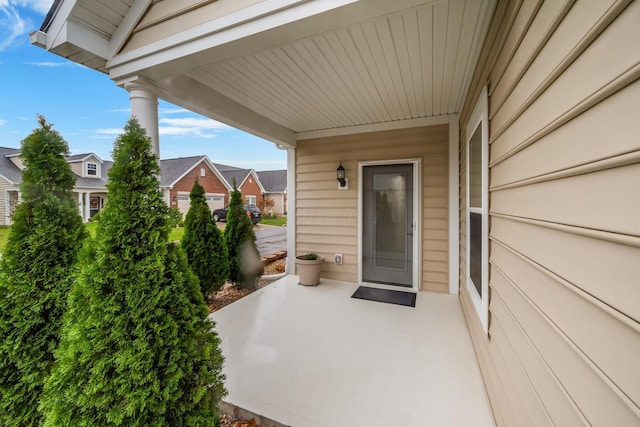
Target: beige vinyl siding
76, 167
564, 328
17, 160
166, 18
4, 201
327, 218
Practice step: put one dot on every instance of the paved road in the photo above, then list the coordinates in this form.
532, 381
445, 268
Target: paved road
271, 239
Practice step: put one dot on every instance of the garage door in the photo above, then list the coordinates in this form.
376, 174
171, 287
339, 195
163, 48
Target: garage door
183, 204
215, 201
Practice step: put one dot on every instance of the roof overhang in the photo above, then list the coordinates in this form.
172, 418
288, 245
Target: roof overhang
284, 70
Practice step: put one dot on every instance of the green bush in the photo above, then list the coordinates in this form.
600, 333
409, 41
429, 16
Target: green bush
204, 245
137, 348
175, 218
42, 248
244, 260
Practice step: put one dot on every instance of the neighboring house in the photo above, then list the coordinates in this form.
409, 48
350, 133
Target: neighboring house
275, 188
491, 145
246, 180
178, 176
90, 187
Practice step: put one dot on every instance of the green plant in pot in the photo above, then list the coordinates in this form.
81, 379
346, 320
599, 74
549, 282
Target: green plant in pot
308, 267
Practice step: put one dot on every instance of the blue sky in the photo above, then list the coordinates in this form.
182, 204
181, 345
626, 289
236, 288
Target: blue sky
89, 110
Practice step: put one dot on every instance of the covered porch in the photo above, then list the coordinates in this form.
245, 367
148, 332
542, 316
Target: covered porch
313, 356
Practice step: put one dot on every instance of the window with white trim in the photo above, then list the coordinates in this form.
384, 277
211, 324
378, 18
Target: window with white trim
477, 133
251, 200
203, 171
92, 169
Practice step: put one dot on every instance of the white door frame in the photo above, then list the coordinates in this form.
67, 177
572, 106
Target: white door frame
417, 210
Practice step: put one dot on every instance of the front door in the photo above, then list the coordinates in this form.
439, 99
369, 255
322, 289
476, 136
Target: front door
387, 224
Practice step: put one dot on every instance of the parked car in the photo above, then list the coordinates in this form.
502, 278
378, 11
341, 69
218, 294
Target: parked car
252, 211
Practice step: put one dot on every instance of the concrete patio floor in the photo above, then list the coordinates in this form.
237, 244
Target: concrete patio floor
313, 356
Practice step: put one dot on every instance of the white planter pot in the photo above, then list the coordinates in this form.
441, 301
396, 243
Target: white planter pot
309, 270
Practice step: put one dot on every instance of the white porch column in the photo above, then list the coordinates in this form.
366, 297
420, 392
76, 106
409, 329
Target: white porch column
80, 203
144, 106
291, 211
7, 207
87, 207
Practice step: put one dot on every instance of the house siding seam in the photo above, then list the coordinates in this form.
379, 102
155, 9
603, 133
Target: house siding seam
564, 327
327, 218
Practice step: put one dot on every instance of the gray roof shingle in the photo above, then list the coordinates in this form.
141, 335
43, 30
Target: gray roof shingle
9, 170
273, 181
172, 169
231, 172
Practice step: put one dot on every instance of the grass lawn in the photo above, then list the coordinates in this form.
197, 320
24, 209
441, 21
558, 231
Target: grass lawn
176, 233
4, 236
279, 221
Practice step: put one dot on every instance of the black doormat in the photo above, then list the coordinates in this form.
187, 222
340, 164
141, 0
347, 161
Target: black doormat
385, 295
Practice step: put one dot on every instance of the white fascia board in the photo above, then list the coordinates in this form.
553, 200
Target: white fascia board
217, 173
8, 180
81, 36
128, 24
255, 176
62, 15
261, 17
86, 157
219, 107
375, 127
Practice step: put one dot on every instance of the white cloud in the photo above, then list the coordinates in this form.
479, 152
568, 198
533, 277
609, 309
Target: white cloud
3, 122
51, 64
120, 110
109, 131
172, 111
41, 6
12, 25
190, 126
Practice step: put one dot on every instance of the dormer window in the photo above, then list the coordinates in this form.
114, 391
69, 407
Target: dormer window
92, 169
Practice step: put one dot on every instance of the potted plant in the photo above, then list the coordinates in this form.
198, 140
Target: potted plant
309, 266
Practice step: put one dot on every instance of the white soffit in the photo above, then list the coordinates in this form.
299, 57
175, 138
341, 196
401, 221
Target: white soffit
405, 65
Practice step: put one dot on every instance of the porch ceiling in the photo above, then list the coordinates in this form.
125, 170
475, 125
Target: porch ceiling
292, 71
408, 64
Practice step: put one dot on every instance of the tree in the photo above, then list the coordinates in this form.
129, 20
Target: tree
203, 243
137, 348
35, 274
244, 260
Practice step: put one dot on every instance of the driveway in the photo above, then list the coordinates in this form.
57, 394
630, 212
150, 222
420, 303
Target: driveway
270, 239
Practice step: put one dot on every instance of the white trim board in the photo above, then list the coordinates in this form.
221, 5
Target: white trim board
375, 127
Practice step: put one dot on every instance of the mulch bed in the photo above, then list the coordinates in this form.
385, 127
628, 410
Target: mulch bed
229, 421
230, 293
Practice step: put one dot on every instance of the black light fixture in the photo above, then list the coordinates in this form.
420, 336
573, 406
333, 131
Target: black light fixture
341, 175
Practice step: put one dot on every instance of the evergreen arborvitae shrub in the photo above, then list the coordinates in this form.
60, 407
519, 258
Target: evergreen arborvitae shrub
203, 243
137, 348
244, 260
35, 274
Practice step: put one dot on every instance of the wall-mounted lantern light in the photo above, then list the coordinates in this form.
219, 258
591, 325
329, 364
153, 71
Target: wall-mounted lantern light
342, 177
175, 200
